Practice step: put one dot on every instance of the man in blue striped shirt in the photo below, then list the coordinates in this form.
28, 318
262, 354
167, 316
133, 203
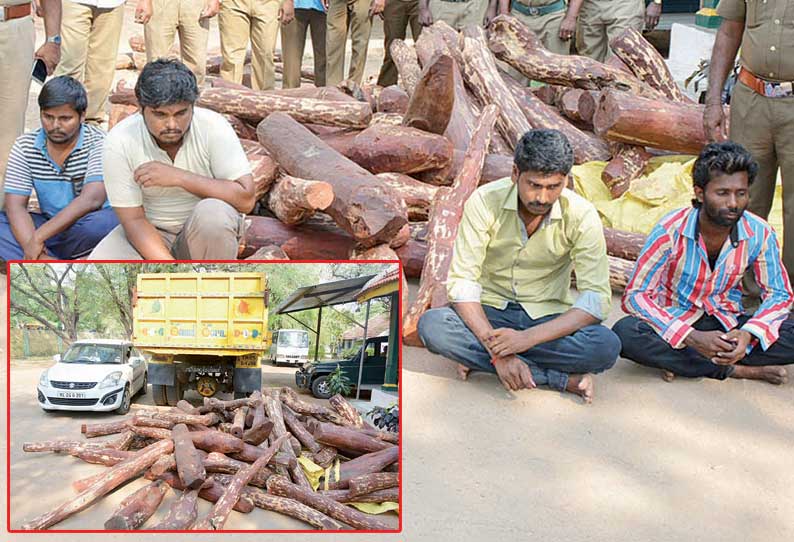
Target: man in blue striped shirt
62, 162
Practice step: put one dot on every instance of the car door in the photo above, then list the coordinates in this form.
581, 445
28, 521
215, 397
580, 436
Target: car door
375, 364
135, 361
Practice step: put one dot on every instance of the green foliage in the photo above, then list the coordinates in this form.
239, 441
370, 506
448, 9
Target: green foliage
338, 382
386, 418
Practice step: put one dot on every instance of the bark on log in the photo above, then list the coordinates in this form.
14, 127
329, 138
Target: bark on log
299, 431
393, 99
496, 166
386, 119
278, 485
349, 441
292, 508
652, 123
120, 112
60, 446
362, 206
627, 165
348, 412
550, 94
263, 168
220, 406
382, 148
241, 128
182, 513
148, 421
408, 70
313, 240
619, 273
114, 477
164, 464
260, 427
646, 63
276, 415
177, 416
92, 430
269, 252
512, 42
210, 492
366, 464
433, 99
379, 252
219, 463
443, 227
155, 433
187, 408
613, 61
215, 441
107, 457
138, 507
386, 436
391, 494
623, 244
294, 200
189, 464
326, 456
367, 483
418, 196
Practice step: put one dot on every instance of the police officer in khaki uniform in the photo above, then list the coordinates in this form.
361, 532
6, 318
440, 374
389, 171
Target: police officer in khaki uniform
17, 55
456, 13
357, 16
598, 21
762, 102
309, 15
256, 21
544, 18
163, 19
398, 15
91, 32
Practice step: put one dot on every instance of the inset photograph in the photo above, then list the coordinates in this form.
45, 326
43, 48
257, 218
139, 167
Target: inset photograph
204, 396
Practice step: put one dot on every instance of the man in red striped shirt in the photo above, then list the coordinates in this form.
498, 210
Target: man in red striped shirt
684, 298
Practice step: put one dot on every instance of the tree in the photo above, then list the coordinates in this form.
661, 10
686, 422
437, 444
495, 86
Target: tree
118, 281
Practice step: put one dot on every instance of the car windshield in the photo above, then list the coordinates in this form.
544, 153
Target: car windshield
294, 339
92, 353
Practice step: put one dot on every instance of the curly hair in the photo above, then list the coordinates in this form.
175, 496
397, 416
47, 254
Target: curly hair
166, 81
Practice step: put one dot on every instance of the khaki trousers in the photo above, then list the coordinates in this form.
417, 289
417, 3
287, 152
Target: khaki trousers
600, 21
17, 46
398, 15
170, 17
88, 53
765, 127
212, 232
459, 14
256, 21
293, 43
341, 15
547, 27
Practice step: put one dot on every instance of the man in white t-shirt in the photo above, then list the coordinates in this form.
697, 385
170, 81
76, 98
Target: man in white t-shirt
175, 174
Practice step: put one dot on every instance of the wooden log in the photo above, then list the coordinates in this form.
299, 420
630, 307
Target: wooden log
124, 61
293, 200
299, 431
292, 508
107, 457
627, 165
387, 436
120, 112
220, 406
270, 252
646, 63
60, 446
164, 464
512, 42
443, 227
496, 166
367, 483
220, 463
241, 128
151, 432
210, 492
238, 424
613, 61
623, 244
348, 440
187, 408
408, 70
348, 412
433, 99
569, 104
276, 415
182, 514
220, 512
418, 196
549, 94
382, 148
278, 485
393, 99
254, 106
344, 496
652, 123
263, 168
313, 240
123, 442
137, 43
619, 273
376, 253
366, 464
215, 441
298, 405
149, 421
114, 477
138, 507
363, 206
92, 430
189, 464
260, 426
387, 119
326, 456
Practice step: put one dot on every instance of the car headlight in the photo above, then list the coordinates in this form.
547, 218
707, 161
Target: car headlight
111, 380
44, 380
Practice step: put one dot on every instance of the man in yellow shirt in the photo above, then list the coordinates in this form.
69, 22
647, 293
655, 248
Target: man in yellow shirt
512, 310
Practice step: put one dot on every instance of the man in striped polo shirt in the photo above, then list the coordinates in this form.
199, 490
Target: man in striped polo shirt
62, 162
685, 297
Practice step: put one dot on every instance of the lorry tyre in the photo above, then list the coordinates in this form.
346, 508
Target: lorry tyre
142, 391
174, 393
320, 387
158, 394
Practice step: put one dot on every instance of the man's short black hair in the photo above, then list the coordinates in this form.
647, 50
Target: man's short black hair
63, 90
725, 158
166, 81
544, 151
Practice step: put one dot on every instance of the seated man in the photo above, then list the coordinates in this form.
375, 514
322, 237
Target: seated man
509, 280
176, 175
62, 162
685, 297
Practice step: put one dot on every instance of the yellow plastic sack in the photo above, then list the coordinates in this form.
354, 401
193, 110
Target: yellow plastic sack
312, 470
374, 508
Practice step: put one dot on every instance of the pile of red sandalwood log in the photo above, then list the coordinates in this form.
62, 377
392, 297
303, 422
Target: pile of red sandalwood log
239, 455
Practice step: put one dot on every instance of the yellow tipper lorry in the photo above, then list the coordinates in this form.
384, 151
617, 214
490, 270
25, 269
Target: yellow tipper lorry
206, 331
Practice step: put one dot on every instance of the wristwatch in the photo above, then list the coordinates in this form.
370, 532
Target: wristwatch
56, 39
657, 2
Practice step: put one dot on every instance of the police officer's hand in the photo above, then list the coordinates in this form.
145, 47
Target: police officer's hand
50, 53
513, 373
652, 15
376, 8
425, 17
143, 11
715, 123
286, 12
37, 9
211, 9
490, 14
567, 28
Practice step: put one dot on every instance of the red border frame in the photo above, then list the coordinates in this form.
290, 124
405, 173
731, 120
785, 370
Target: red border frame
89, 262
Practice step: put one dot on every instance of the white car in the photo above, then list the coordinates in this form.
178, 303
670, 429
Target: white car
94, 374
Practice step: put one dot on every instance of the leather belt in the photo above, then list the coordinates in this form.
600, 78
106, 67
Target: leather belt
455, 1
537, 11
9, 13
766, 88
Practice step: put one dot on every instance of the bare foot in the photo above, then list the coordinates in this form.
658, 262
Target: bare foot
581, 385
768, 373
668, 376
463, 372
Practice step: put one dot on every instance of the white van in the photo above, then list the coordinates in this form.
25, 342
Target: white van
290, 347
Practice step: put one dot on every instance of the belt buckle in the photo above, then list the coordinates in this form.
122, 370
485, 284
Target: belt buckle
534, 11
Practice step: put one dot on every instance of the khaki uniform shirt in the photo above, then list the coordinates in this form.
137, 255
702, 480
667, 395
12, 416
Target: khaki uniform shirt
209, 148
768, 35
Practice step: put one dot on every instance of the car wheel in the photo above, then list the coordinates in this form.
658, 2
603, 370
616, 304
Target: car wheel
158, 395
142, 391
320, 388
174, 393
124, 407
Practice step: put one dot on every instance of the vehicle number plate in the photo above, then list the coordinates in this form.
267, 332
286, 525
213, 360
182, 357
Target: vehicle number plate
71, 395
